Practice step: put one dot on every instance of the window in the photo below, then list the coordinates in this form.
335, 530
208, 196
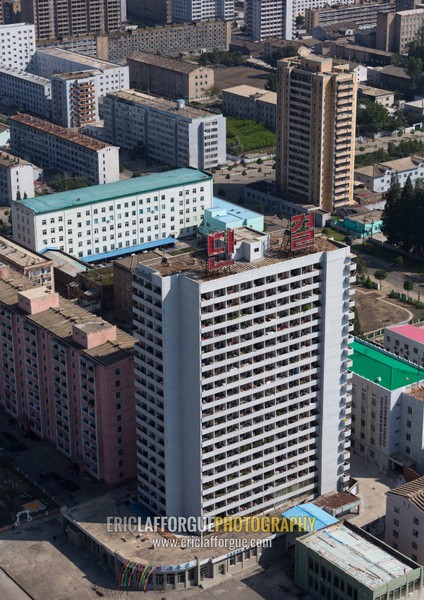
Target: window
416, 521
396, 522
395, 533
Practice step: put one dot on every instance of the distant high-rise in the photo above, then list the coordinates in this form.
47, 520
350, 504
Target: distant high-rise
241, 377
186, 11
316, 108
55, 19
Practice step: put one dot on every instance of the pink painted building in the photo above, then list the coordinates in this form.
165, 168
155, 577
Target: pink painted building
406, 341
68, 376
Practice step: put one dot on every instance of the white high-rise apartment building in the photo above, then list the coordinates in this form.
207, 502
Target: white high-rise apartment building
187, 11
277, 18
17, 45
242, 385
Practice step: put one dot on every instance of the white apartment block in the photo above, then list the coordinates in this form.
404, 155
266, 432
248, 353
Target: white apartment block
111, 77
27, 91
63, 149
17, 45
273, 18
377, 177
187, 11
406, 341
242, 385
74, 99
387, 409
404, 527
103, 218
248, 102
169, 132
16, 178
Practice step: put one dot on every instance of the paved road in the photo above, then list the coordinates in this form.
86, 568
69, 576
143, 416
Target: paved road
9, 590
382, 142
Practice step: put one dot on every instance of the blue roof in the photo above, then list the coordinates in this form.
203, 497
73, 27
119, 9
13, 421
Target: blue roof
323, 518
117, 189
129, 250
234, 209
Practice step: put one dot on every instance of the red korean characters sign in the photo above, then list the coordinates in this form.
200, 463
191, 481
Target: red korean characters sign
302, 233
220, 249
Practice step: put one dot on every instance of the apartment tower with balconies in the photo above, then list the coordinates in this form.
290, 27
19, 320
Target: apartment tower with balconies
242, 383
316, 118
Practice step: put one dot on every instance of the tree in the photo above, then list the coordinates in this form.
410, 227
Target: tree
235, 146
300, 21
18, 195
398, 262
361, 267
392, 213
408, 286
380, 274
395, 60
271, 83
357, 329
372, 117
405, 224
25, 195
414, 69
136, 174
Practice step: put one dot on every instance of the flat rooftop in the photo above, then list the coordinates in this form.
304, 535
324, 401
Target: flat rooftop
92, 63
61, 132
59, 321
24, 75
66, 263
354, 553
249, 91
77, 74
411, 332
194, 265
383, 368
21, 257
117, 189
373, 91
164, 62
372, 215
235, 210
9, 160
170, 106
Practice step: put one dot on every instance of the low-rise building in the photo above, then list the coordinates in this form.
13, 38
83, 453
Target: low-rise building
59, 148
404, 528
74, 98
224, 215
92, 221
68, 376
414, 109
169, 77
363, 224
384, 97
35, 267
17, 45
387, 409
248, 102
345, 48
406, 341
378, 177
343, 561
166, 131
108, 76
26, 91
16, 178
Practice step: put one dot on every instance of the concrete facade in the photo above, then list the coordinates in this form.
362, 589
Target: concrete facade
17, 45
189, 11
405, 341
404, 527
77, 387
16, 178
59, 148
27, 91
74, 98
167, 131
248, 428
364, 14
248, 102
35, 267
99, 219
316, 140
169, 77
397, 30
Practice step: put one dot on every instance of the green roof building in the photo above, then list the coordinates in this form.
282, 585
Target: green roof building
387, 408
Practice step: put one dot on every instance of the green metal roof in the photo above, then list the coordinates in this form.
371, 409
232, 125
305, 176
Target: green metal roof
117, 189
383, 368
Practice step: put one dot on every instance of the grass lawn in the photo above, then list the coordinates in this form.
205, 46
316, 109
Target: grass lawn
389, 256
339, 236
252, 135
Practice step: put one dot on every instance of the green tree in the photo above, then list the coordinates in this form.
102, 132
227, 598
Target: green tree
25, 195
235, 146
361, 267
271, 83
395, 60
357, 329
18, 195
392, 213
408, 286
414, 69
372, 117
136, 174
398, 262
300, 21
405, 224
380, 274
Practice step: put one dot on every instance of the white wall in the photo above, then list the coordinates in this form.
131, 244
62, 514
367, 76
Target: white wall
17, 45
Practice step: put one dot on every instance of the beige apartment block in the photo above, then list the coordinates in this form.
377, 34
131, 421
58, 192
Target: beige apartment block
316, 119
248, 102
397, 30
169, 77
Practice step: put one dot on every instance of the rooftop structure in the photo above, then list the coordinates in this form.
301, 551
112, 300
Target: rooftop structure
224, 215
412, 490
322, 518
378, 366
349, 550
36, 267
406, 341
